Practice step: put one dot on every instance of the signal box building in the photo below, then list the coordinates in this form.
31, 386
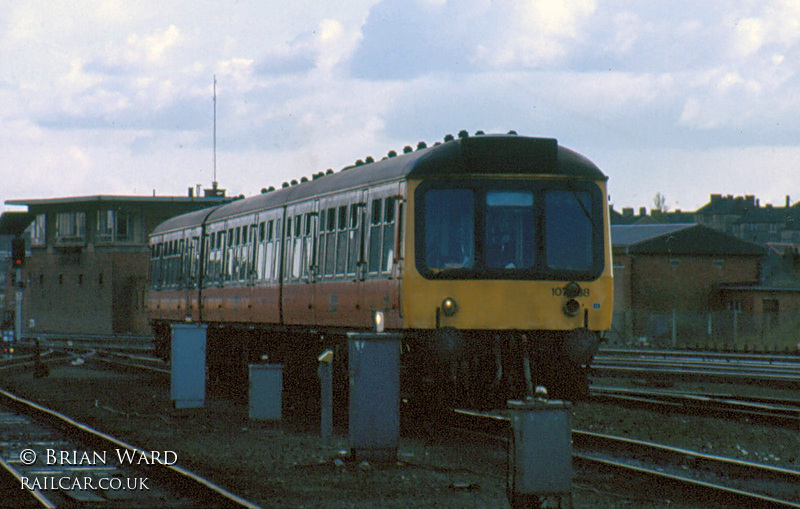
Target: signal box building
87, 261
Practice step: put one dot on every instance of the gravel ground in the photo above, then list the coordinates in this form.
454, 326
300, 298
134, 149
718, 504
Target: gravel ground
287, 465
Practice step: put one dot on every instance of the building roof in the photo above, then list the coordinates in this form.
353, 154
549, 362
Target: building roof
624, 235
681, 239
14, 223
114, 199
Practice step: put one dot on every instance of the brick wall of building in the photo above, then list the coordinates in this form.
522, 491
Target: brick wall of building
86, 292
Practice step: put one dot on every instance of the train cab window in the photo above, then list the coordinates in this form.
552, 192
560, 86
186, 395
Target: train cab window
509, 229
569, 229
449, 228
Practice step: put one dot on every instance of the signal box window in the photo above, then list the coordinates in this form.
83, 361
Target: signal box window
38, 237
113, 226
70, 227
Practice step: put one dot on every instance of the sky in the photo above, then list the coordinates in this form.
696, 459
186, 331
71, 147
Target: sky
116, 97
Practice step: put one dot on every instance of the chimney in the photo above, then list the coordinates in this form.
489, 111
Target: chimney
788, 201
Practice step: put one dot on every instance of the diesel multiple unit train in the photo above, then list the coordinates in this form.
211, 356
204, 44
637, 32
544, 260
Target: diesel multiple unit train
489, 253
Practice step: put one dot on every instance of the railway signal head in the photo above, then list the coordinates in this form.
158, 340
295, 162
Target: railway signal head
18, 252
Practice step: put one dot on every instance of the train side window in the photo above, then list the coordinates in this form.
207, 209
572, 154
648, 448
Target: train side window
277, 238
375, 232
352, 247
297, 250
331, 219
323, 225
287, 249
341, 243
388, 235
329, 260
307, 244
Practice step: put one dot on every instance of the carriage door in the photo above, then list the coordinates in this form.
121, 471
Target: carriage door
311, 270
381, 285
357, 255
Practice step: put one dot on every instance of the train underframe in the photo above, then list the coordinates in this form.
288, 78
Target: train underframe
442, 367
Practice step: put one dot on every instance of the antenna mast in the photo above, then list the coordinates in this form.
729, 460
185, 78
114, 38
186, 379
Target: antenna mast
214, 183
215, 191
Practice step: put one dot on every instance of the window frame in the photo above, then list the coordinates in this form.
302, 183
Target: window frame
539, 270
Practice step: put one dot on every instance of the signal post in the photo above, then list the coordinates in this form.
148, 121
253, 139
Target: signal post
17, 261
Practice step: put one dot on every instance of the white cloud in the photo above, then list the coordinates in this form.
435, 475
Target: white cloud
151, 47
535, 33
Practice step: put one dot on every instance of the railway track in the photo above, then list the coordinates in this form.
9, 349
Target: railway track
721, 480
57, 462
706, 366
774, 411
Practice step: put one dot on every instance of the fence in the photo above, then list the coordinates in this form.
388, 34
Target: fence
719, 330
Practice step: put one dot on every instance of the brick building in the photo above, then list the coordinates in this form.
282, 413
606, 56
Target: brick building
665, 273
87, 268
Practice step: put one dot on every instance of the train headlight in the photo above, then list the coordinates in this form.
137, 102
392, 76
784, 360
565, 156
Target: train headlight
449, 306
572, 290
571, 307
378, 321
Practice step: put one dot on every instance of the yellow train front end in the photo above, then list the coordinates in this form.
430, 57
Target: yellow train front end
508, 278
